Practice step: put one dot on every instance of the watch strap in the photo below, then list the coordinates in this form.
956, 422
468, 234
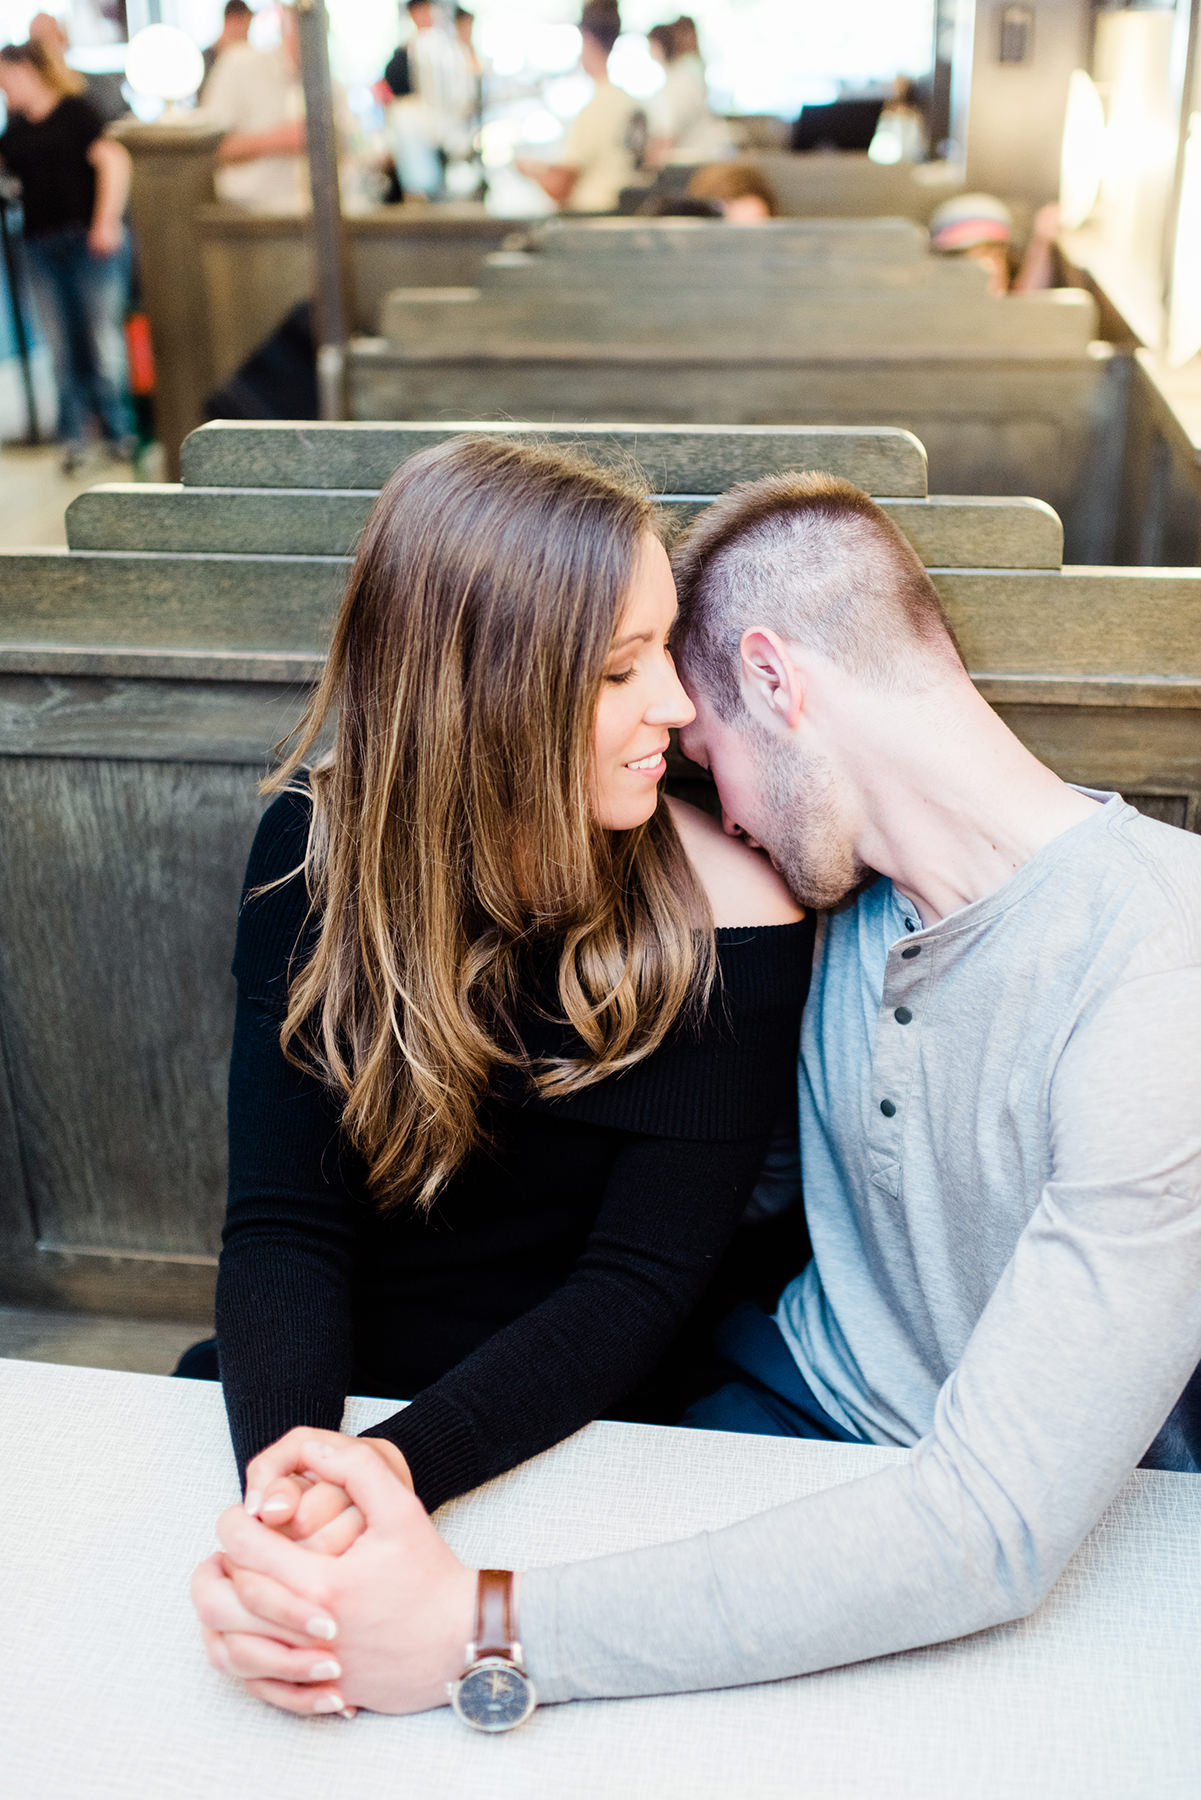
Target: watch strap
494, 1621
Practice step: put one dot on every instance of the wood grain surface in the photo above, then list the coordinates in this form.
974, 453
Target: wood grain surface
946, 530
119, 886
703, 459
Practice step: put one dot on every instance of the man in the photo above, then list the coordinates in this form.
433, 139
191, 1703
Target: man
235, 29
429, 123
1001, 1140
256, 97
596, 160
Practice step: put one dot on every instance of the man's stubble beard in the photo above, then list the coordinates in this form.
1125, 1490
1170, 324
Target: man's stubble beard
807, 844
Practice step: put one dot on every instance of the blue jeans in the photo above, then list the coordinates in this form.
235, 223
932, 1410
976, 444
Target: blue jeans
81, 301
764, 1391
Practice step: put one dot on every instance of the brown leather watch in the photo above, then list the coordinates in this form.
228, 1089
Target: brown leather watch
494, 1693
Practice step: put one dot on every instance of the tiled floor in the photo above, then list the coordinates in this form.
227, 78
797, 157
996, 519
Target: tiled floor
35, 494
147, 1346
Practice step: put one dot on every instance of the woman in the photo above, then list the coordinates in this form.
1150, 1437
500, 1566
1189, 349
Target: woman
498, 1094
682, 128
74, 185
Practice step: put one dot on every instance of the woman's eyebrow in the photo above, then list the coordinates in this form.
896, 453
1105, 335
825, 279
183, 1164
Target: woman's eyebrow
638, 637
642, 637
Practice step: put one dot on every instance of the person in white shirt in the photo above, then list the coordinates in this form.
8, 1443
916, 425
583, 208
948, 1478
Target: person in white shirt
682, 128
596, 161
432, 125
255, 96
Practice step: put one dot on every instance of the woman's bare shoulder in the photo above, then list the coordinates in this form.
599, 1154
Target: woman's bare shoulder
742, 886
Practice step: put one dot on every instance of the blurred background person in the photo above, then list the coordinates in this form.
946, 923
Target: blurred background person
235, 29
597, 159
474, 184
682, 128
432, 125
102, 88
740, 192
75, 183
980, 226
256, 97
900, 134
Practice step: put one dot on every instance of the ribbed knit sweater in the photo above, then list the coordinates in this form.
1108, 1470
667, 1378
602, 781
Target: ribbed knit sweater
557, 1264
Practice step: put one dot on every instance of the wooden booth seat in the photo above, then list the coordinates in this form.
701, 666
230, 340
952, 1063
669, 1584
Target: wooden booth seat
147, 672
831, 321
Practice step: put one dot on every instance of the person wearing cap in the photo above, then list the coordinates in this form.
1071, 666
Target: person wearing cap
981, 227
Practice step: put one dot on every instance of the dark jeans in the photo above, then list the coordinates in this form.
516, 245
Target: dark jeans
81, 301
762, 1390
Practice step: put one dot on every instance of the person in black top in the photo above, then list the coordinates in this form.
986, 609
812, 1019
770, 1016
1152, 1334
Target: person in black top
499, 1091
74, 185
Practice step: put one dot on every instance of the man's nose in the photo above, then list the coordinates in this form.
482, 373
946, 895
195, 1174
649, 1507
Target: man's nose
733, 829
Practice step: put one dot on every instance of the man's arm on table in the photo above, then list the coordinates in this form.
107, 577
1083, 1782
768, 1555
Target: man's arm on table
1075, 1363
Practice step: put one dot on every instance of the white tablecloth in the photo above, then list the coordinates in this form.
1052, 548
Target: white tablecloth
105, 1694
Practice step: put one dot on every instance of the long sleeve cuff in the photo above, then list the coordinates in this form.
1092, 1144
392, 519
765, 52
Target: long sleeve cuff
259, 1418
438, 1444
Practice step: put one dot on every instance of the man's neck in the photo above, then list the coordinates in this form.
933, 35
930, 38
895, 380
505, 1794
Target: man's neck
960, 808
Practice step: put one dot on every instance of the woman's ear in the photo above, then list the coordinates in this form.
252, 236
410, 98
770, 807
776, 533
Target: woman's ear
773, 685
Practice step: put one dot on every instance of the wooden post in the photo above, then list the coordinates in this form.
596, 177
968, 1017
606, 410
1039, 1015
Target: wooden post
172, 177
330, 260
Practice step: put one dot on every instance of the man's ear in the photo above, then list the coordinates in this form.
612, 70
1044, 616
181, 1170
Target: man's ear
773, 686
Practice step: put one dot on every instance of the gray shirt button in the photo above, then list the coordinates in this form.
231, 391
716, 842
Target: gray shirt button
902, 1015
911, 950
888, 1108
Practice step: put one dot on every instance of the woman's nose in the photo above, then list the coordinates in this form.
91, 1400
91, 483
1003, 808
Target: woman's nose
671, 705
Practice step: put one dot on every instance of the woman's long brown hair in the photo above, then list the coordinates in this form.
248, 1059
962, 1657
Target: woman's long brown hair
453, 820
50, 64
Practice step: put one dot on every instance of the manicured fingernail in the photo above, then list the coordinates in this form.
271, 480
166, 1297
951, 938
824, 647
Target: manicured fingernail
325, 1671
321, 1627
348, 1712
277, 1504
328, 1703
254, 1500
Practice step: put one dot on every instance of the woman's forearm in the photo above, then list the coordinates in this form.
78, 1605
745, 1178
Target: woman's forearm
670, 1212
113, 167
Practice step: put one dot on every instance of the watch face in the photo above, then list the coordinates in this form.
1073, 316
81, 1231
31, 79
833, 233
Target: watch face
494, 1695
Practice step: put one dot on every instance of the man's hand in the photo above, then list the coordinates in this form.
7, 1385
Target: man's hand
301, 1504
401, 1604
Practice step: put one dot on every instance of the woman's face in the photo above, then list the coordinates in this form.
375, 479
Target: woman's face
22, 87
641, 698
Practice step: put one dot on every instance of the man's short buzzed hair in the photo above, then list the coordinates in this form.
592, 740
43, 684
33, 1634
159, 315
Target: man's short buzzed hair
602, 21
812, 557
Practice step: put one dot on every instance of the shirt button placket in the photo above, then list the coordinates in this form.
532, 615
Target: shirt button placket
891, 1062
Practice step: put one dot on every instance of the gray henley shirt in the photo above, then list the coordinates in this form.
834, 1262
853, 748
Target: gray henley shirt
1001, 1141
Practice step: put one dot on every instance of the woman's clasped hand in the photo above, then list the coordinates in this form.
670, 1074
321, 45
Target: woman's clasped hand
302, 1503
382, 1623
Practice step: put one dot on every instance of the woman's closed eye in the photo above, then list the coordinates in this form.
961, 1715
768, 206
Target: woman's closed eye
619, 677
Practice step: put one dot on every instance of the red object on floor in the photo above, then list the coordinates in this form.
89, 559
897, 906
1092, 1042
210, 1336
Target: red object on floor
140, 353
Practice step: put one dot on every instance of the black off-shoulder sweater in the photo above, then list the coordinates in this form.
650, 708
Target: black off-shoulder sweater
556, 1266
